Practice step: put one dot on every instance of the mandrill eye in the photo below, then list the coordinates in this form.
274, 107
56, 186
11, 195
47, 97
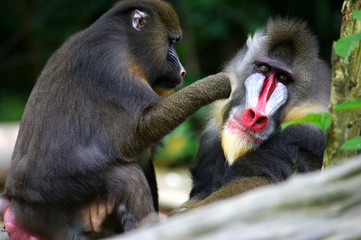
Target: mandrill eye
283, 78
264, 68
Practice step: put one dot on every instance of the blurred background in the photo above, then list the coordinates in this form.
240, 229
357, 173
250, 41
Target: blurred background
214, 30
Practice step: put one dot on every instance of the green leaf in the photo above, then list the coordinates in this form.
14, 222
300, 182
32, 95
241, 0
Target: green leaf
352, 144
344, 46
351, 104
357, 15
320, 120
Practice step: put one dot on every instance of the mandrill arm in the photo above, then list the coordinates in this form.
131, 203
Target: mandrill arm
171, 111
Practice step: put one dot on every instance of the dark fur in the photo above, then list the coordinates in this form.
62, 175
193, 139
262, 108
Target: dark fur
92, 119
297, 149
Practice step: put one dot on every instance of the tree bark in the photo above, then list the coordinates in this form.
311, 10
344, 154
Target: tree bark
346, 85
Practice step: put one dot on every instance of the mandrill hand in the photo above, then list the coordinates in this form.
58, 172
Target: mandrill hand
94, 215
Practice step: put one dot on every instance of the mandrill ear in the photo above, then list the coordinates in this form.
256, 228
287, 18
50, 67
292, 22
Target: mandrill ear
139, 19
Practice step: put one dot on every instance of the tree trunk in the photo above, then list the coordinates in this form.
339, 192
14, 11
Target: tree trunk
346, 85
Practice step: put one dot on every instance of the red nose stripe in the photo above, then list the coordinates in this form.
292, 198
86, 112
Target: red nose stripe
270, 85
255, 118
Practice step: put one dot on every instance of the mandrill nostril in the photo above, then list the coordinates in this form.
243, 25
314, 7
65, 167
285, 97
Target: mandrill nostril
249, 114
252, 113
183, 73
262, 120
254, 120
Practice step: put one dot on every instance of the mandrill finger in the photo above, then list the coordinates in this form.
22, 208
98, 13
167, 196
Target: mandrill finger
85, 219
94, 214
96, 218
110, 205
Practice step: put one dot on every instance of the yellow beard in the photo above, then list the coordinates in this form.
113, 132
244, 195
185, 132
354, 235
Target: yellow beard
235, 145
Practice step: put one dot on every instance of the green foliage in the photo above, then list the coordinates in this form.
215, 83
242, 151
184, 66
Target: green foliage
320, 120
352, 144
352, 104
344, 46
324, 121
11, 107
180, 147
357, 15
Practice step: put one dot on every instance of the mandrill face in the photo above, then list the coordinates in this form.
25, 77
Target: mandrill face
252, 123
